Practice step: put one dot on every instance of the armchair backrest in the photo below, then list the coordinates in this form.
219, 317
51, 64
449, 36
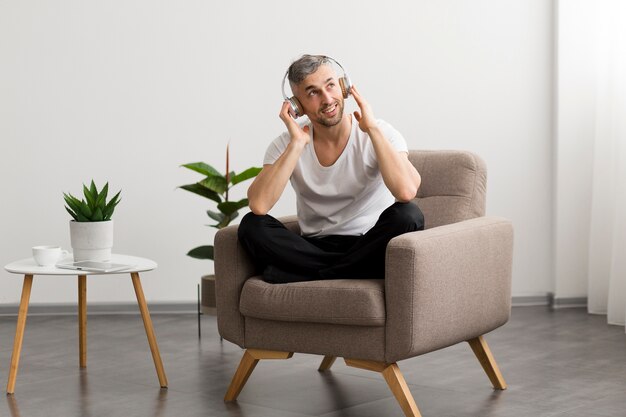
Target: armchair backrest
453, 186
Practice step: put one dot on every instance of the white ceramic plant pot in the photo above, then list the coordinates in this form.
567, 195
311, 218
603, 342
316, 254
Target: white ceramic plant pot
91, 240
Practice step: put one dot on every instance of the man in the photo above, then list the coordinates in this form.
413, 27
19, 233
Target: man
353, 183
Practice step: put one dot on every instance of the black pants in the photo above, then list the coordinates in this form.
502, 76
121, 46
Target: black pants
284, 256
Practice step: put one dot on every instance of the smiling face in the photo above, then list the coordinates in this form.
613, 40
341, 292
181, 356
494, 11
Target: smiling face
321, 97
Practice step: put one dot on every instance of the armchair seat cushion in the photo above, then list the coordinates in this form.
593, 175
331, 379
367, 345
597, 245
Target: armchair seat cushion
342, 301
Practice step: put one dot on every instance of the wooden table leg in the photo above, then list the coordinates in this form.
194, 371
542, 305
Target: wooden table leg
82, 320
147, 322
19, 332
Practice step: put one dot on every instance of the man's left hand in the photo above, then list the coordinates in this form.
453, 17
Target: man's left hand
366, 116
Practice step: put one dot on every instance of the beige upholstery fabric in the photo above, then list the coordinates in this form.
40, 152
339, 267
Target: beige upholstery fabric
361, 342
340, 301
233, 267
453, 186
444, 285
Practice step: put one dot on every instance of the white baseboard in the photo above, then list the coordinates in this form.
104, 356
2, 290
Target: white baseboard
192, 307
530, 300
101, 308
549, 300
567, 302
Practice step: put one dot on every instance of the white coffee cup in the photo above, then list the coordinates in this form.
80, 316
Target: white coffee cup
48, 255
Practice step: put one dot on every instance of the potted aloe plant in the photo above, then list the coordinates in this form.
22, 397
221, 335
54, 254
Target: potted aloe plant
215, 186
91, 227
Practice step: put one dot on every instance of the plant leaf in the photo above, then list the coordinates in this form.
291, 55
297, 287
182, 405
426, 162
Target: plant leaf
203, 191
82, 218
97, 215
245, 175
72, 210
72, 202
215, 183
218, 217
93, 189
89, 196
95, 209
229, 207
85, 210
202, 168
74, 216
101, 198
201, 252
76, 208
79, 208
225, 221
108, 209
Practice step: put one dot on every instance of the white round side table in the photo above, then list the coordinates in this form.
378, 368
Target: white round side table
29, 269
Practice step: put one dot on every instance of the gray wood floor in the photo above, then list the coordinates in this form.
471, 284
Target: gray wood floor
557, 363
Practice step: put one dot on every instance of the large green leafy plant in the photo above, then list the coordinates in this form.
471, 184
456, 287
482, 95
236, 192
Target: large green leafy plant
94, 207
215, 186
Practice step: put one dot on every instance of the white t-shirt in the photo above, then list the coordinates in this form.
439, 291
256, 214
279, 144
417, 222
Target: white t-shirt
347, 197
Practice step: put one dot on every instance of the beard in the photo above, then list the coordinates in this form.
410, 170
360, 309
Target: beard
330, 121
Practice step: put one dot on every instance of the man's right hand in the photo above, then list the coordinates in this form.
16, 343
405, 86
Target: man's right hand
298, 134
269, 185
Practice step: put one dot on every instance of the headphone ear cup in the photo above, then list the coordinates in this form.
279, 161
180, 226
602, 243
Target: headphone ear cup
346, 86
295, 108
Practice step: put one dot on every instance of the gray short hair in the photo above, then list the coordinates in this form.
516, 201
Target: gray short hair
305, 66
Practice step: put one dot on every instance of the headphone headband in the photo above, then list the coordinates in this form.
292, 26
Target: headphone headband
345, 75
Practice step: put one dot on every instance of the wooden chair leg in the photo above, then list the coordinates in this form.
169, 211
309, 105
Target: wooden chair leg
327, 362
395, 380
248, 362
483, 353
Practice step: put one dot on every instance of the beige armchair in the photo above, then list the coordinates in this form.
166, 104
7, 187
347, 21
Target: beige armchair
447, 284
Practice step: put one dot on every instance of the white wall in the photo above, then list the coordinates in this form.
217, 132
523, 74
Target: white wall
126, 91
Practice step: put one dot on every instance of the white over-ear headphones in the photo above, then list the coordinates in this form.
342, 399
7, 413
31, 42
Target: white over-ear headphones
295, 108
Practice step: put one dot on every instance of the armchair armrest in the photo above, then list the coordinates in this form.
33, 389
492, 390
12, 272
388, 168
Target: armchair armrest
233, 267
446, 285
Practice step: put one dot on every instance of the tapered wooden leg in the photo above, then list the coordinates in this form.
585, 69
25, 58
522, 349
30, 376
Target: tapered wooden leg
147, 322
82, 320
400, 390
19, 332
395, 380
248, 362
483, 353
327, 362
246, 366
